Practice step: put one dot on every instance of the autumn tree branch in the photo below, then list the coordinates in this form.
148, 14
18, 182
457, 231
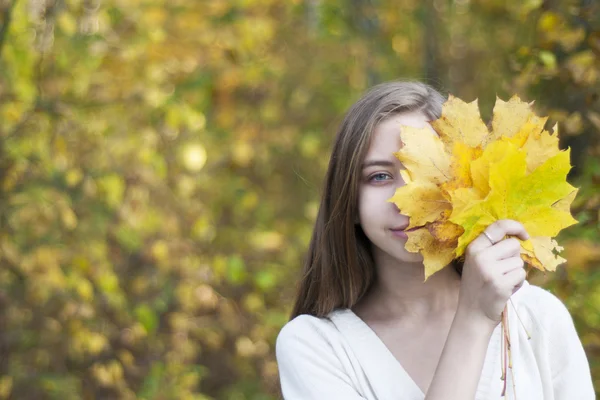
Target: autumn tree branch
14, 268
6, 18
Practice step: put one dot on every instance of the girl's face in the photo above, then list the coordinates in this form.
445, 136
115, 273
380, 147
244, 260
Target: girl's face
381, 220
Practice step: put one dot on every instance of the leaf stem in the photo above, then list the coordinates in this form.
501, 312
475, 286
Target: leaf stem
505, 351
502, 377
521, 321
512, 375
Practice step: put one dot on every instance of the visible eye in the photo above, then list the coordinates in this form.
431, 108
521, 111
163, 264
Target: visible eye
380, 177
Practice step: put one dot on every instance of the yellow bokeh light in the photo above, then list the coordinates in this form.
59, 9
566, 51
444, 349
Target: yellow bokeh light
194, 157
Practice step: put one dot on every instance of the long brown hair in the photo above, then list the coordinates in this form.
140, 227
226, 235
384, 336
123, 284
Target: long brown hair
339, 267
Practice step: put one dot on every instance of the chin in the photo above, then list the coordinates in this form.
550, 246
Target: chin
403, 255
412, 257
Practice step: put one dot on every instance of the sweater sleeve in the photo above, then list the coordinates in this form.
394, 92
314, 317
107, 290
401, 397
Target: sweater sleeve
308, 366
569, 365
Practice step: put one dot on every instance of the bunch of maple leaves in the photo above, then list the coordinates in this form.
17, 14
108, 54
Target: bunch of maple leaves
466, 177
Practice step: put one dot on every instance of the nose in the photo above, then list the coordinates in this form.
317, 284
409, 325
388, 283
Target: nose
395, 207
403, 178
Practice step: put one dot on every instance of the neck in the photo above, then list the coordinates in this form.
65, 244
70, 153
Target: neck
400, 293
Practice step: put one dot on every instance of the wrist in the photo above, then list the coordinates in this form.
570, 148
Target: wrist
474, 324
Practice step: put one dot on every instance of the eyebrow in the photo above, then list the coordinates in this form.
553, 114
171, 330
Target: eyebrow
379, 163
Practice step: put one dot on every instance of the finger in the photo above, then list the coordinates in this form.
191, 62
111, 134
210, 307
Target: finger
503, 227
514, 278
496, 232
519, 286
506, 248
508, 265
481, 242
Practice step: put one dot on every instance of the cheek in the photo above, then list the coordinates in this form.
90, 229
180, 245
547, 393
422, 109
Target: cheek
373, 203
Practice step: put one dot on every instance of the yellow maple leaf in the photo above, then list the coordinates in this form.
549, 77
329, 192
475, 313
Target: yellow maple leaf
423, 200
438, 254
509, 118
426, 157
544, 255
464, 179
460, 167
460, 122
445, 232
515, 195
539, 147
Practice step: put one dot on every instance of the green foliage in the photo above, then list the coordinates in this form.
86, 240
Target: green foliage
161, 162
560, 69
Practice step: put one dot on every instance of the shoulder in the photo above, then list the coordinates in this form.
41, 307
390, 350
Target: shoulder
313, 362
307, 325
313, 345
543, 307
555, 340
536, 296
533, 293
306, 331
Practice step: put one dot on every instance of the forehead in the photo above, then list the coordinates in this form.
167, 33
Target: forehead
386, 138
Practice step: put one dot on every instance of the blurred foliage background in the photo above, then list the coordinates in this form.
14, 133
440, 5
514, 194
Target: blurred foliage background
161, 163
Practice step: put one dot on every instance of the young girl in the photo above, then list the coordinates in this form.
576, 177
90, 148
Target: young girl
366, 326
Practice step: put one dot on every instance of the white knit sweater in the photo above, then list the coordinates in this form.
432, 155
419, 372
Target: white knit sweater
340, 357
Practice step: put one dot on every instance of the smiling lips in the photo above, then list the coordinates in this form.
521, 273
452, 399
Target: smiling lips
405, 230
400, 232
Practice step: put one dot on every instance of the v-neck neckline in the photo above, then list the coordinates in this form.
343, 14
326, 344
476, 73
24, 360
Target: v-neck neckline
384, 351
380, 364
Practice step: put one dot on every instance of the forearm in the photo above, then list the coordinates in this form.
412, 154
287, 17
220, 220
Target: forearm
459, 369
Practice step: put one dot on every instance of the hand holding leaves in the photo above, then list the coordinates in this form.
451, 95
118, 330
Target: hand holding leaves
468, 177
